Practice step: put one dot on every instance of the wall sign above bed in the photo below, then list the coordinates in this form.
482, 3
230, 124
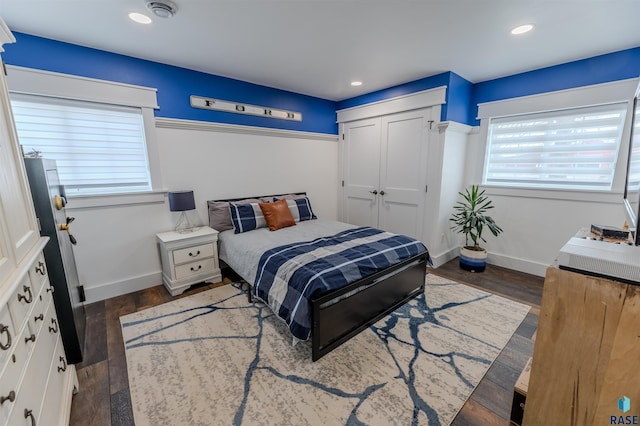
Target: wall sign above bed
238, 108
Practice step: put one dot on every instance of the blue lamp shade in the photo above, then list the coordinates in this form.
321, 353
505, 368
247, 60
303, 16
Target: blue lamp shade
181, 200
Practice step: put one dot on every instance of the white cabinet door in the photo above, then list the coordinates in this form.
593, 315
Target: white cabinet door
403, 172
15, 199
385, 171
362, 172
7, 264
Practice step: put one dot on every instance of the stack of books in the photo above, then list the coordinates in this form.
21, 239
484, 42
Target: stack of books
610, 232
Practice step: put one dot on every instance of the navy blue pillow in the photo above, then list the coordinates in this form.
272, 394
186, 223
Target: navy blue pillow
301, 209
246, 217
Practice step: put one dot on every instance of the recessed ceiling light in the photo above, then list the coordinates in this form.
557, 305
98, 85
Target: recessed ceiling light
139, 18
522, 29
356, 83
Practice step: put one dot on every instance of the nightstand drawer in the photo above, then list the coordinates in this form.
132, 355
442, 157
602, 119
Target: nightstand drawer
204, 266
190, 254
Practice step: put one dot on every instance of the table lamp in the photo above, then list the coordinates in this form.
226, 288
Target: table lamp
181, 201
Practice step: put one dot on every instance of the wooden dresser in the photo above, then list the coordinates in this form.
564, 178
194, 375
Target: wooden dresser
587, 352
36, 384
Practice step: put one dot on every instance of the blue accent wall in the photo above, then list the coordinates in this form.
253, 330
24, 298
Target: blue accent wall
614, 66
175, 85
400, 90
459, 95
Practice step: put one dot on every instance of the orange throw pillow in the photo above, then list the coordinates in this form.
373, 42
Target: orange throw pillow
277, 215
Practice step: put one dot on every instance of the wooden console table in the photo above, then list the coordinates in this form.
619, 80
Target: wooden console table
587, 351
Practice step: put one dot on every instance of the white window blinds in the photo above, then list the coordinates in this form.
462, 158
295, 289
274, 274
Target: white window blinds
568, 149
98, 148
634, 152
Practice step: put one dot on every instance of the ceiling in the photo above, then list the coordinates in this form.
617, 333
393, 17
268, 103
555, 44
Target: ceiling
317, 47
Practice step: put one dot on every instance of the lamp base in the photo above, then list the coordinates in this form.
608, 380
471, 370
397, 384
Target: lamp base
184, 225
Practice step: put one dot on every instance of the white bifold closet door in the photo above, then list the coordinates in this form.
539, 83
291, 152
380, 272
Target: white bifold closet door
385, 171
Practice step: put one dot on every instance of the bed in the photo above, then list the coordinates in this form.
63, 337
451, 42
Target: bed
338, 299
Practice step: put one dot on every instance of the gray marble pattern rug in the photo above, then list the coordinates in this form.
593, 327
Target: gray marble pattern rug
213, 358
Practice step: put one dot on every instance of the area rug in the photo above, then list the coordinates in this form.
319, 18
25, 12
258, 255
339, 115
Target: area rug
214, 358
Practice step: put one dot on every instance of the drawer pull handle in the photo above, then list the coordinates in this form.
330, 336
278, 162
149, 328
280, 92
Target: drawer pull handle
31, 338
5, 329
64, 365
11, 397
41, 269
29, 413
51, 329
195, 255
39, 317
196, 269
27, 290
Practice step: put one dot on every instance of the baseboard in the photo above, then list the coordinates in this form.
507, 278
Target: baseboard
522, 265
442, 258
118, 288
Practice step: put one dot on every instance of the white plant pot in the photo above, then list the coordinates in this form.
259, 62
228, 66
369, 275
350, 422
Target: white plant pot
473, 260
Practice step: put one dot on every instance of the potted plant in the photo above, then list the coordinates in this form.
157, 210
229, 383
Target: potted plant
470, 219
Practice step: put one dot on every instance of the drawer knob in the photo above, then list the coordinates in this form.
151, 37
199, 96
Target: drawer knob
51, 329
5, 330
196, 269
27, 290
39, 317
41, 269
50, 290
29, 413
194, 255
11, 397
64, 365
31, 338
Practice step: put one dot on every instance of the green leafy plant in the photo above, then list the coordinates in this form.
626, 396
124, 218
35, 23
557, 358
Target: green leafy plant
470, 217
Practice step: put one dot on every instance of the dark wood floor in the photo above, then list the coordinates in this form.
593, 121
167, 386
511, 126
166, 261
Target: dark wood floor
104, 397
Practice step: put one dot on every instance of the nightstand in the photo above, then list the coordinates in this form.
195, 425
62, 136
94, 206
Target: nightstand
189, 258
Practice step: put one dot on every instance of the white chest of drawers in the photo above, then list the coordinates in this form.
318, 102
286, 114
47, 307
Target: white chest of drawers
189, 258
36, 384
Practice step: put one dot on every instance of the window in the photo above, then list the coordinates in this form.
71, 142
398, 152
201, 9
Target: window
574, 148
98, 148
102, 134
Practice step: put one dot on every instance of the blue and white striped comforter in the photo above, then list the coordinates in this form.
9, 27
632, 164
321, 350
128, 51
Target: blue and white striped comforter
290, 276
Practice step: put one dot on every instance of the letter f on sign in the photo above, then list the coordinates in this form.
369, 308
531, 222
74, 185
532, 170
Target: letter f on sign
624, 404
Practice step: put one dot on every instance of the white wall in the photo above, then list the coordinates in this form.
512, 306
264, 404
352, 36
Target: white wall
537, 224
445, 177
117, 251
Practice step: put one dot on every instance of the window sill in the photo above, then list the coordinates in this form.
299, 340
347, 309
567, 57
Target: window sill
110, 200
607, 197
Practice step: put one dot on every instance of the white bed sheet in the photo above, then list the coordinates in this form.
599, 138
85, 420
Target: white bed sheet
242, 252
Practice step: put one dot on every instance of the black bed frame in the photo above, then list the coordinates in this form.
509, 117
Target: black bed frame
380, 294
343, 313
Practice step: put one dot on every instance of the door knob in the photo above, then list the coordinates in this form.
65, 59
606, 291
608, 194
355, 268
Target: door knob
382, 192
65, 227
59, 202
374, 192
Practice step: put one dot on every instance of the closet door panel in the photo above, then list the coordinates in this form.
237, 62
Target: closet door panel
362, 172
404, 146
17, 207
